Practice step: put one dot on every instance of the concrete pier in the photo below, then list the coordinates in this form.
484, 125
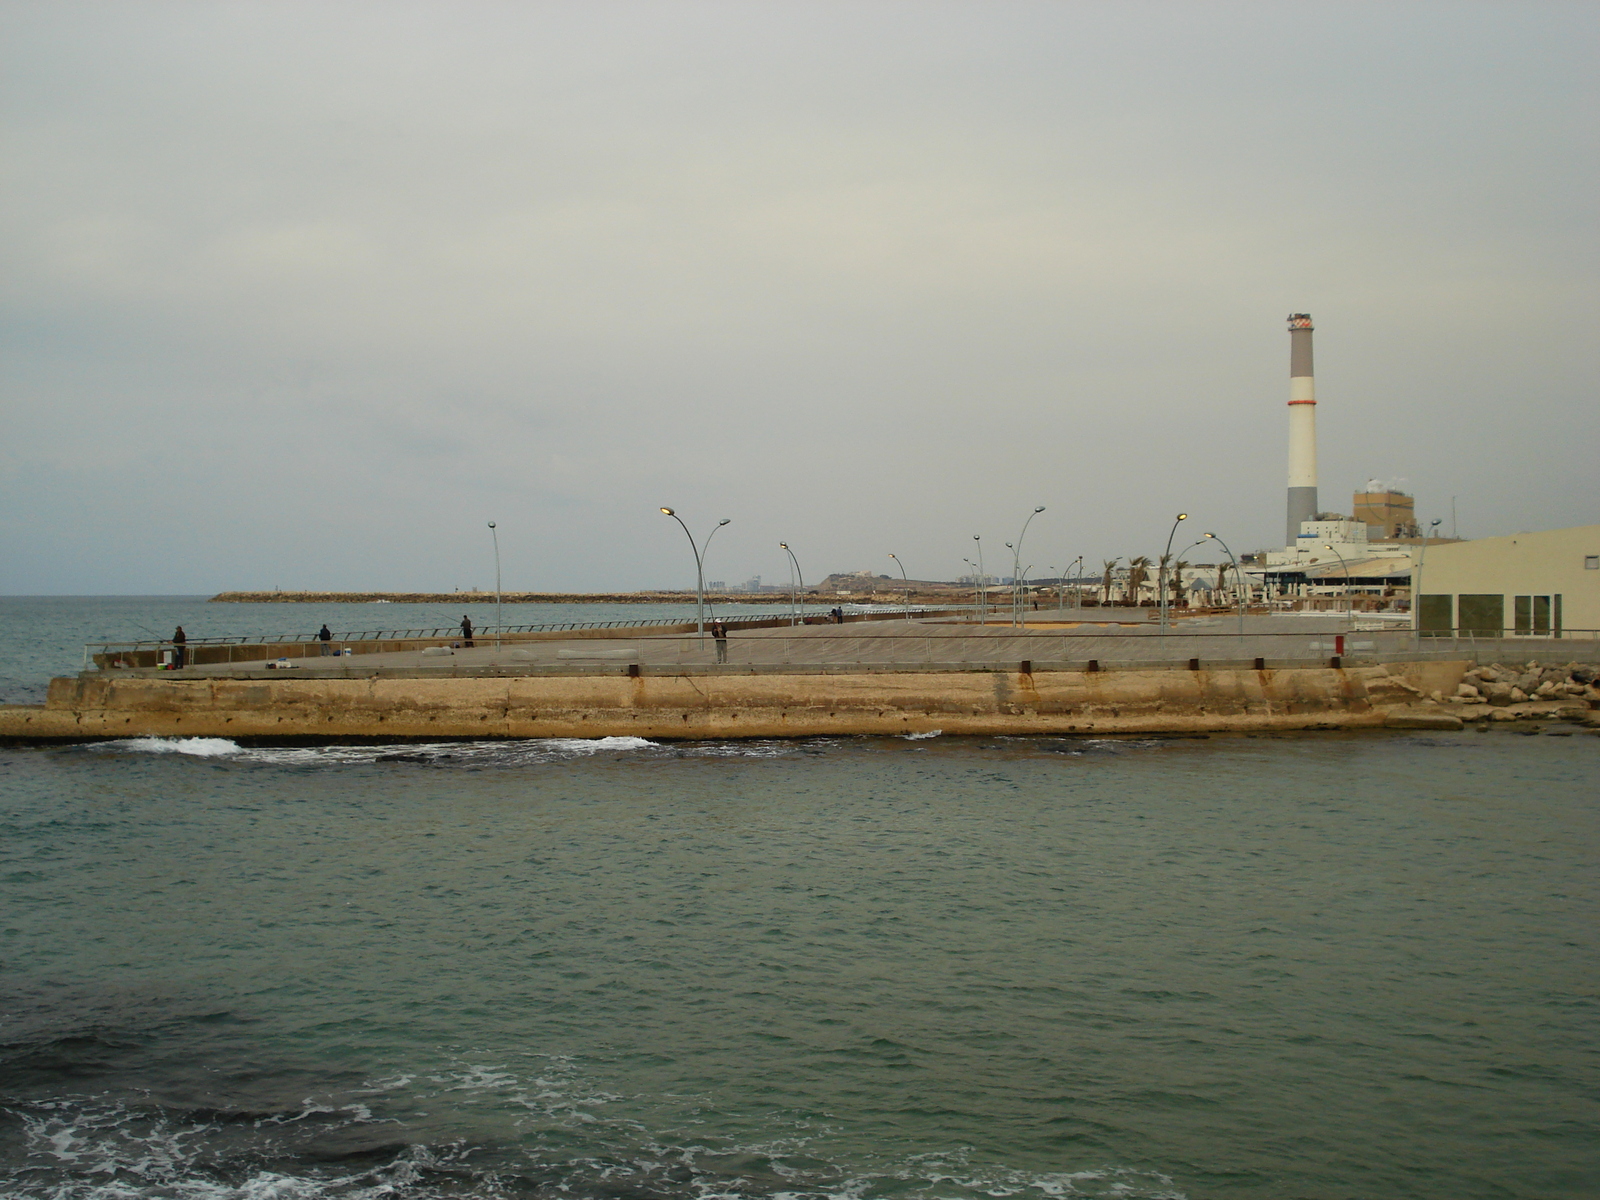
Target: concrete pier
1094, 675
411, 704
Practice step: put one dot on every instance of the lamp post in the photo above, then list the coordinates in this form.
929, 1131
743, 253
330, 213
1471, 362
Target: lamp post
1416, 586
1238, 579
496, 537
1349, 616
983, 584
1162, 573
1076, 565
784, 546
1016, 564
699, 568
905, 581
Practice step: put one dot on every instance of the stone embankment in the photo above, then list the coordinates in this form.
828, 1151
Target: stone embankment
1530, 692
419, 704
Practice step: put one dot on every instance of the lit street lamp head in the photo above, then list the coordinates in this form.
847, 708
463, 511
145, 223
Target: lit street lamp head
669, 512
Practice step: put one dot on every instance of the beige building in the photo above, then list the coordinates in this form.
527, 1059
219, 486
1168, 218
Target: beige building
1526, 585
1387, 514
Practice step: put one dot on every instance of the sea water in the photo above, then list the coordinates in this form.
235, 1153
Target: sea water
1322, 965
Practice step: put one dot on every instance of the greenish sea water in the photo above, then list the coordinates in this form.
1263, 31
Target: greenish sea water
1319, 966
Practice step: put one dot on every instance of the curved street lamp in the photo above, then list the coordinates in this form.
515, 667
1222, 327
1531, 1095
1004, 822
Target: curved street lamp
1016, 564
1416, 584
1162, 583
496, 584
1238, 580
784, 546
983, 584
699, 568
496, 538
905, 581
1349, 615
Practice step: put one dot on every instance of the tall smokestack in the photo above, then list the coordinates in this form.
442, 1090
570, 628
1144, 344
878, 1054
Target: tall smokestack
1302, 427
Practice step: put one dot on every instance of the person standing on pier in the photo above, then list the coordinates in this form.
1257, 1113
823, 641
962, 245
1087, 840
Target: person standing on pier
180, 653
466, 631
719, 634
324, 636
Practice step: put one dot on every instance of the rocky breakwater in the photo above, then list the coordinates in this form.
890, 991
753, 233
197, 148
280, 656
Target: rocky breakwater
1534, 692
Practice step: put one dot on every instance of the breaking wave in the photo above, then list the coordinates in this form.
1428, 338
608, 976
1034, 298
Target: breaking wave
200, 747
561, 1142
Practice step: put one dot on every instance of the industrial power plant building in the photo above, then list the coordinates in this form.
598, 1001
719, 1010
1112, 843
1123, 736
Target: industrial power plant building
1526, 585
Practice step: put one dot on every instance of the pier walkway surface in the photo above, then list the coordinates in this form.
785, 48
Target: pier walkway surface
941, 645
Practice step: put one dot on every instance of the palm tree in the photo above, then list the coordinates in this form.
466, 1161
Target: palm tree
1111, 566
1138, 572
1222, 575
1178, 600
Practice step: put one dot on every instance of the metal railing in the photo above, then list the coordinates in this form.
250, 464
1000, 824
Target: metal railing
950, 648
195, 649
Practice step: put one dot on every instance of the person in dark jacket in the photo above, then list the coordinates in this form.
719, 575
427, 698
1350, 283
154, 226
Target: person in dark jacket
180, 643
466, 632
325, 637
719, 634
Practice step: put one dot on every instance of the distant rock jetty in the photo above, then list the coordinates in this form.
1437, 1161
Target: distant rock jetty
489, 598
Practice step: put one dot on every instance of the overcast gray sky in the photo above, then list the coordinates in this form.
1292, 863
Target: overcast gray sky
304, 294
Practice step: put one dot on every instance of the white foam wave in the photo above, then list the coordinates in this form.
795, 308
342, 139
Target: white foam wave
593, 745
200, 747
917, 737
86, 1150
497, 753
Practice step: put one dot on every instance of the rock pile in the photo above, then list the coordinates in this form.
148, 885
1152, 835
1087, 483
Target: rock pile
1533, 690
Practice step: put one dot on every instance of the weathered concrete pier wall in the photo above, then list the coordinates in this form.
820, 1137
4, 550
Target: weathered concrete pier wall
411, 705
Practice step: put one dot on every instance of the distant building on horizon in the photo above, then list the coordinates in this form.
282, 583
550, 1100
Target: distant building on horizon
1387, 512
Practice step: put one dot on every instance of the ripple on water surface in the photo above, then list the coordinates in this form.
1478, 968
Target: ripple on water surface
929, 967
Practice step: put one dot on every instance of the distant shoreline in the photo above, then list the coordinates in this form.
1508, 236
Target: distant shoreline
489, 597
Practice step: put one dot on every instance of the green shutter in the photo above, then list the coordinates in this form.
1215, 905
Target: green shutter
1524, 614
1434, 614
1541, 614
1483, 616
